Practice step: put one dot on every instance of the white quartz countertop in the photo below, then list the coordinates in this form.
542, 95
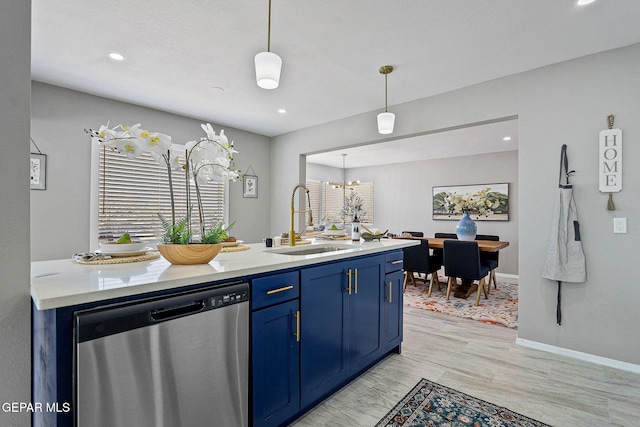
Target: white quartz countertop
62, 283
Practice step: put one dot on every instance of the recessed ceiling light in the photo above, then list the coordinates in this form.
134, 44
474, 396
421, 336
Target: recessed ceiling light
585, 2
282, 110
116, 56
506, 138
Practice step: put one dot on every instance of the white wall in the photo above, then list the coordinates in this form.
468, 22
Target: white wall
562, 103
60, 215
15, 303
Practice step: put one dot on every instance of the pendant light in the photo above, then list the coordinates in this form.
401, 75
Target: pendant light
386, 119
344, 184
268, 64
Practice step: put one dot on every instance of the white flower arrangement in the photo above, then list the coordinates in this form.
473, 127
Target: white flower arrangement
208, 159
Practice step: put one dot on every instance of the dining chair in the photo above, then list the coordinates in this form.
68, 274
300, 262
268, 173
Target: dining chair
413, 233
418, 260
443, 236
490, 259
462, 261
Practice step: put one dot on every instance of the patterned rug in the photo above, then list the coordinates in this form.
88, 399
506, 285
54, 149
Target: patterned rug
430, 404
500, 309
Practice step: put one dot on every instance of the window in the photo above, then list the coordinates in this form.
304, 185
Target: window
316, 205
329, 200
132, 192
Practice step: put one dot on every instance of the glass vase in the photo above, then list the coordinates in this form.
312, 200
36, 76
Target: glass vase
466, 228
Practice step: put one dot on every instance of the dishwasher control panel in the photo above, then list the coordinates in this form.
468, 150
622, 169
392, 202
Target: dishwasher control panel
228, 299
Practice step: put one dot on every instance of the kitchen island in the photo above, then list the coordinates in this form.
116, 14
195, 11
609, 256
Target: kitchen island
345, 306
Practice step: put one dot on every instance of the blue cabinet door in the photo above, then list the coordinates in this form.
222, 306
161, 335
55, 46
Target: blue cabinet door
323, 340
276, 395
365, 312
392, 309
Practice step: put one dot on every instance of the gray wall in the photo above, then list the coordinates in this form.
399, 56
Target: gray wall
402, 199
60, 215
15, 304
562, 103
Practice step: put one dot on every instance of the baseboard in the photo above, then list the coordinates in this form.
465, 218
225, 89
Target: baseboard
630, 367
508, 278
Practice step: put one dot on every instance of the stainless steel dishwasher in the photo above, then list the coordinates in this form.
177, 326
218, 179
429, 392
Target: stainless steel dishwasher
177, 361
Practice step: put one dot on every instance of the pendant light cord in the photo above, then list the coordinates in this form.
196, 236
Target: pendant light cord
269, 30
385, 93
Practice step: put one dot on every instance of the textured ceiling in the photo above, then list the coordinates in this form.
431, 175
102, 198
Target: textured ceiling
195, 57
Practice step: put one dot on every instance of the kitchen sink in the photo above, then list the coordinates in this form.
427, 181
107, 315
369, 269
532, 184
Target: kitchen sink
309, 250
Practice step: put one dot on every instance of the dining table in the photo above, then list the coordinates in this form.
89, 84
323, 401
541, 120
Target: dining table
467, 287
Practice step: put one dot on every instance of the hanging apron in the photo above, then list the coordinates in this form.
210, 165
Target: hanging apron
565, 259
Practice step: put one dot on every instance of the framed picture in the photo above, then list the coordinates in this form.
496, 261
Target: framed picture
485, 202
38, 171
250, 186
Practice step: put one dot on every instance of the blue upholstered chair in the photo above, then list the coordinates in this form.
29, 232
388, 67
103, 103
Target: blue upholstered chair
490, 259
440, 252
418, 260
446, 235
462, 261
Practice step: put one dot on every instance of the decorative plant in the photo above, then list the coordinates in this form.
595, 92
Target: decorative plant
352, 207
479, 203
208, 159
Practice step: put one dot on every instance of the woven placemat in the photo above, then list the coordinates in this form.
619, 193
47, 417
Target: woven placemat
333, 238
238, 248
285, 242
122, 260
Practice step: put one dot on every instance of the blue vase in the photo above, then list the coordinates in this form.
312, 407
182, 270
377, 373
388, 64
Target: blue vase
466, 228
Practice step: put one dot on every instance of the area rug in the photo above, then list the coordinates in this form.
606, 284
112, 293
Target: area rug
430, 404
500, 309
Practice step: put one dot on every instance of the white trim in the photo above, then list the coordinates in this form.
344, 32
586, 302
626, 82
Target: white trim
579, 355
508, 278
93, 196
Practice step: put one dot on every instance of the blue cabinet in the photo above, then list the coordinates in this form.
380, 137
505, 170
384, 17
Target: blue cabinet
392, 310
393, 301
274, 340
341, 324
316, 329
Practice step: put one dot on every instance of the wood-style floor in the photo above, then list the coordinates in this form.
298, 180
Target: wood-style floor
484, 361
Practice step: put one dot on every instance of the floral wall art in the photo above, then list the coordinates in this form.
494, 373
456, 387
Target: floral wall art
483, 202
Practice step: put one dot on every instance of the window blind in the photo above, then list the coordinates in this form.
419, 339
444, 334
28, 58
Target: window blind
132, 192
315, 197
333, 201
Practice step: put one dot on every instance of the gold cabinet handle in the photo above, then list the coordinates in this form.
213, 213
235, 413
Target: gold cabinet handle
356, 281
297, 332
390, 291
275, 291
396, 262
349, 281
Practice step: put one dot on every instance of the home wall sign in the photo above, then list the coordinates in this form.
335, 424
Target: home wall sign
610, 160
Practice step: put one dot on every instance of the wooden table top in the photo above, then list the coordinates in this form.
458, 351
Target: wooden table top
483, 245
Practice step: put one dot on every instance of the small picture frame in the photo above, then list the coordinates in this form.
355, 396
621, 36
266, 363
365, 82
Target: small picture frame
38, 171
250, 186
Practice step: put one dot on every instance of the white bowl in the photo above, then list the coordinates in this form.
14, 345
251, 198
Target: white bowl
114, 248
